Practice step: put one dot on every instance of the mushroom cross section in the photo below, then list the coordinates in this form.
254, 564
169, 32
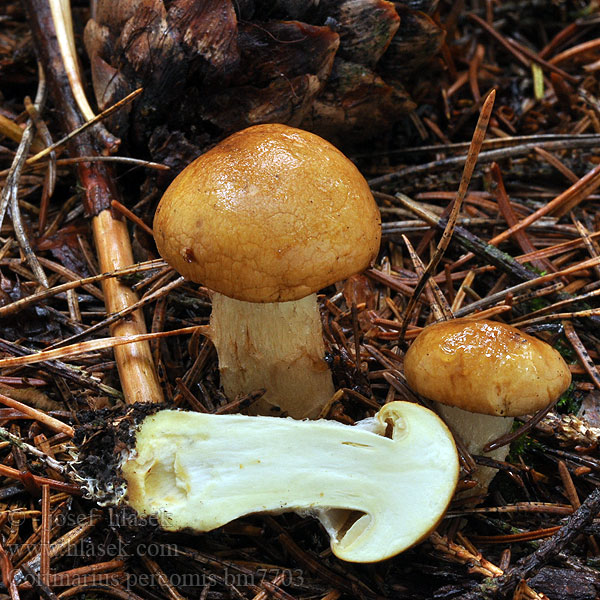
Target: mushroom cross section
265, 219
375, 495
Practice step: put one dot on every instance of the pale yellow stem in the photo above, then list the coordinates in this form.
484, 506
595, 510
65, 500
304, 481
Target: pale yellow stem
276, 346
476, 431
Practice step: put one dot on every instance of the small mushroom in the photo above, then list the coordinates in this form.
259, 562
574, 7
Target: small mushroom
483, 374
375, 495
265, 219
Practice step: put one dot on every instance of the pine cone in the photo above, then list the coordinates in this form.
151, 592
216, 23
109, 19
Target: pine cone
211, 67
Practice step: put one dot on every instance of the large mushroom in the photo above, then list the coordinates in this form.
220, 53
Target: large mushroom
265, 219
482, 374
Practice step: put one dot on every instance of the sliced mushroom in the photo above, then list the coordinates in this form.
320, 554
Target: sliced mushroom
198, 471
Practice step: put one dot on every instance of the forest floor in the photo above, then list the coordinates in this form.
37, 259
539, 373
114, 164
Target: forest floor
533, 536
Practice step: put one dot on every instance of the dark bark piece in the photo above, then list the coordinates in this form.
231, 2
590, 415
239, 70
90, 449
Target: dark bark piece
148, 55
115, 13
98, 40
590, 409
282, 101
357, 290
366, 28
565, 584
356, 105
65, 249
110, 86
207, 32
417, 40
284, 49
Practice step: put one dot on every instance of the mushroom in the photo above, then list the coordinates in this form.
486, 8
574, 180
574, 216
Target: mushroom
481, 374
265, 219
376, 493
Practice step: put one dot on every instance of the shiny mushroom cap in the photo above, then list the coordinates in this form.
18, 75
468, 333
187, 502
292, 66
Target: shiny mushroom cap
485, 367
270, 214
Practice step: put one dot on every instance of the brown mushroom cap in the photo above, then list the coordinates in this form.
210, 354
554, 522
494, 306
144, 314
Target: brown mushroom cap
270, 214
485, 367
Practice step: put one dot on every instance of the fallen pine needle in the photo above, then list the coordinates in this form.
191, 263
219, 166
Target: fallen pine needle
471, 161
53, 484
106, 113
36, 414
23, 303
525, 536
94, 345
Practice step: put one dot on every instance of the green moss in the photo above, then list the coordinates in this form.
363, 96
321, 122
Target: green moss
569, 402
565, 350
521, 445
537, 304
535, 269
517, 448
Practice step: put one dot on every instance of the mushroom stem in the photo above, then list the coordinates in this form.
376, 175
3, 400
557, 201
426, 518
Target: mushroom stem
476, 431
375, 495
275, 346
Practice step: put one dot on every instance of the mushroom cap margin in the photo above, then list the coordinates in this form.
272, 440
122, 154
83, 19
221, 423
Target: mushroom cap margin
270, 214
